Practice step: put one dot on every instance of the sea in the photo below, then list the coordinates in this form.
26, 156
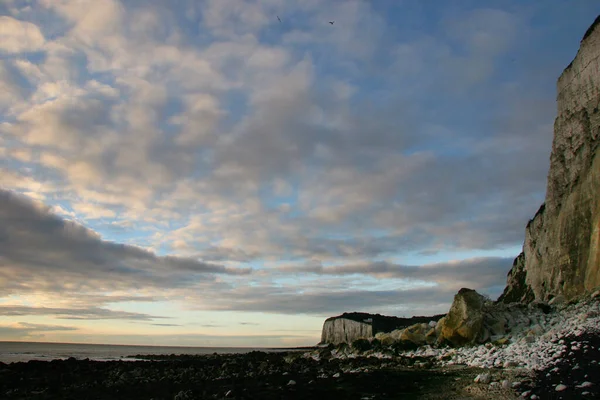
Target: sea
25, 351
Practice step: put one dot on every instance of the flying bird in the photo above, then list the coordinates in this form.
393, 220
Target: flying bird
279, 18
331, 22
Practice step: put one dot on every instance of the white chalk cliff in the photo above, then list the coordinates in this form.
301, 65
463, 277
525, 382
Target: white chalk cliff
561, 253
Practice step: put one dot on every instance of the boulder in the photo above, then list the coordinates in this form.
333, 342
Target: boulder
431, 336
385, 339
464, 322
415, 334
496, 325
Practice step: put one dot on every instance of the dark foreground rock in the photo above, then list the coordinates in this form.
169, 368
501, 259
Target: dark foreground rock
255, 375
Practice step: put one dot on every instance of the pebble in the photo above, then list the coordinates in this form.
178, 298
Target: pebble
291, 382
483, 378
560, 387
585, 385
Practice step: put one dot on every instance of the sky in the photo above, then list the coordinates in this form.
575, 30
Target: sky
233, 172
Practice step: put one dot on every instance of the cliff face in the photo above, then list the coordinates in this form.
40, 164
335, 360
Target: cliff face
348, 327
343, 330
561, 253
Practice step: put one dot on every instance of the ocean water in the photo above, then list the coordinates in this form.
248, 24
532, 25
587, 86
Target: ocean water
25, 351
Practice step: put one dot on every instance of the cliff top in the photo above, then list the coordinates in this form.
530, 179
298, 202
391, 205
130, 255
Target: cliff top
591, 28
587, 34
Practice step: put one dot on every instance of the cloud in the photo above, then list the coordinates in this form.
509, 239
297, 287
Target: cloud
484, 31
42, 327
171, 128
91, 313
477, 273
427, 301
41, 251
166, 148
19, 36
13, 85
27, 330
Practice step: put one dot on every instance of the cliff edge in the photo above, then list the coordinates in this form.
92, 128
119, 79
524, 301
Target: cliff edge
561, 252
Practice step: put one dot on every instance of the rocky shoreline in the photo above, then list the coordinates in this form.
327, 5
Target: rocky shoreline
255, 375
558, 360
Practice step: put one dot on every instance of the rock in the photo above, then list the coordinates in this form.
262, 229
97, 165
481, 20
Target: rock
431, 337
560, 387
414, 334
385, 339
528, 339
535, 330
483, 378
484, 336
463, 323
291, 382
506, 384
596, 294
361, 345
396, 333
496, 326
184, 395
510, 364
561, 252
584, 385
516, 289
439, 325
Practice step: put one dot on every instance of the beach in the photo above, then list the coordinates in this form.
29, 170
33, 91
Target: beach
325, 372
255, 375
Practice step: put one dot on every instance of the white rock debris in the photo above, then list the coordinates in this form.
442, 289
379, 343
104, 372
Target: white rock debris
534, 341
526, 350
